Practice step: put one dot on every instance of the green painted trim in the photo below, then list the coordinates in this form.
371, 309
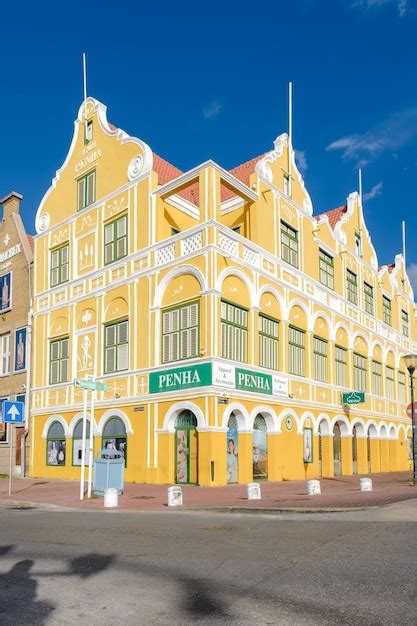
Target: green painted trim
188, 429
115, 239
84, 177
52, 341
114, 323
60, 265
177, 307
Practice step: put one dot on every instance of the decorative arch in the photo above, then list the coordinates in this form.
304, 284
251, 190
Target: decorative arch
76, 419
392, 432
234, 271
383, 431
242, 416
341, 326
174, 411
284, 413
377, 344
360, 426
325, 318
178, 271
360, 334
114, 413
51, 420
323, 419
302, 306
344, 425
372, 429
275, 293
270, 417
307, 415
401, 428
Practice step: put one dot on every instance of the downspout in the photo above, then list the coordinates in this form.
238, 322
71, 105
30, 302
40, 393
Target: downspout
28, 374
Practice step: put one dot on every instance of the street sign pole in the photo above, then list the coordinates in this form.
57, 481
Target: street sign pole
91, 444
83, 445
10, 458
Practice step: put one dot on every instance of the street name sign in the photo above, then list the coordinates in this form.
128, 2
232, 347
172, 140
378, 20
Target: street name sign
13, 412
93, 385
409, 409
353, 397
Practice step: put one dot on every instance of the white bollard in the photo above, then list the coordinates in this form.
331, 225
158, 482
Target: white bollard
254, 491
174, 496
365, 484
111, 498
313, 488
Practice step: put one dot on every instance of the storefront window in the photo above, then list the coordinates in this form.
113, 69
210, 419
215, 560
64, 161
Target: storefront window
232, 445
77, 443
114, 436
56, 445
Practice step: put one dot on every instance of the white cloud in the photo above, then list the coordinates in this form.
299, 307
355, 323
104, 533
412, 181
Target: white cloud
412, 275
374, 193
401, 5
212, 110
301, 160
392, 134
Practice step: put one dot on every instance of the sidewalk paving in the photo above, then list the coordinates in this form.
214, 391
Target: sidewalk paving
338, 493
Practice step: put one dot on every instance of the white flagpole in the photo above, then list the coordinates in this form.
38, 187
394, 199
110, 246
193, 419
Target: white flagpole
404, 257
289, 133
85, 85
91, 444
360, 184
84, 437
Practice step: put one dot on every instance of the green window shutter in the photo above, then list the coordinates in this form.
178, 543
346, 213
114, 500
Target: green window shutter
81, 193
91, 191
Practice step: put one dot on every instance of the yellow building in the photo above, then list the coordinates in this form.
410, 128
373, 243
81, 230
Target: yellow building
226, 319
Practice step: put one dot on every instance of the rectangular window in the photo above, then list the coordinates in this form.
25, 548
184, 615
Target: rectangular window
359, 372
236, 229
401, 387
386, 310
88, 131
390, 383
58, 361
4, 354
352, 287
3, 426
376, 378
404, 323
289, 244
296, 351
115, 240
268, 342
326, 269
180, 333
234, 328
60, 265
358, 244
368, 292
174, 231
116, 347
86, 190
341, 366
5, 292
320, 359
286, 184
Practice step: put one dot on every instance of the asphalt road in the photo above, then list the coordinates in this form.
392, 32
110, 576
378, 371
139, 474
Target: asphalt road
66, 567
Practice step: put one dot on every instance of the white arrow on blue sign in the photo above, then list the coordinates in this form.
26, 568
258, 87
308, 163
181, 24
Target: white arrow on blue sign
13, 412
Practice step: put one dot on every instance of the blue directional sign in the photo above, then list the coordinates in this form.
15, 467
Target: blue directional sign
13, 412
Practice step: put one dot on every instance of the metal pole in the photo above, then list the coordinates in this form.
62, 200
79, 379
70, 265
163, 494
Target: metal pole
91, 444
83, 445
10, 459
413, 428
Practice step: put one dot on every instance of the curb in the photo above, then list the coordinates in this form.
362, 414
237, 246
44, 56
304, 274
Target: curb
260, 511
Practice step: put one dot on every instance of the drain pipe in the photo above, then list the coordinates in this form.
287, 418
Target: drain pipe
23, 468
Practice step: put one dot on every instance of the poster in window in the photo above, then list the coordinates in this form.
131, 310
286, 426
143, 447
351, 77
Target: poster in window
115, 443
260, 454
182, 456
232, 440
308, 445
20, 349
77, 449
5, 292
3, 427
56, 451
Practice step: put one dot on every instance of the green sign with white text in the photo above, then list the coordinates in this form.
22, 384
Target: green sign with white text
180, 378
353, 397
253, 381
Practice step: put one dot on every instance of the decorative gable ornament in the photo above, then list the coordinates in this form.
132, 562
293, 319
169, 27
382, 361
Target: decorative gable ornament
135, 167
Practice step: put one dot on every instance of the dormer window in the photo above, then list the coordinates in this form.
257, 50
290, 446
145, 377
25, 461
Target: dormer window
286, 182
88, 131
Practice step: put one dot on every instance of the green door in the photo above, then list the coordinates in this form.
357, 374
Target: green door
186, 449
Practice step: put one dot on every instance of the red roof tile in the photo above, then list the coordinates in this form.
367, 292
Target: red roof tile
334, 215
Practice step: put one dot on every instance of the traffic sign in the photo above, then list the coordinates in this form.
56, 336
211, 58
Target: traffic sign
13, 412
409, 410
353, 397
93, 385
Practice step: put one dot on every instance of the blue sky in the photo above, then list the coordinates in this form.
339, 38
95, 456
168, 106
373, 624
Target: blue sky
200, 81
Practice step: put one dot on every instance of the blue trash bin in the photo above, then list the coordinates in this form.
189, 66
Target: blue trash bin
109, 471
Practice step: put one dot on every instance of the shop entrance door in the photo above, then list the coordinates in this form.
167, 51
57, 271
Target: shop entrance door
337, 451
260, 449
354, 452
186, 449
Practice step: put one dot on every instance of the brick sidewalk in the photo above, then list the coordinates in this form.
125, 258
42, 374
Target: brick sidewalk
341, 492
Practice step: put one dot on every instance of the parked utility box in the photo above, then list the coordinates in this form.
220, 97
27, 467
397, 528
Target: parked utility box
109, 471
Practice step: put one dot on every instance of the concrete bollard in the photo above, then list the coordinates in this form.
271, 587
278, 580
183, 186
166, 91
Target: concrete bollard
313, 488
174, 496
365, 484
111, 498
254, 491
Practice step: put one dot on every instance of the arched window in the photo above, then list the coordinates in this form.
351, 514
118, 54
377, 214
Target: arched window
55, 445
260, 448
114, 436
186, 419
77, 443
